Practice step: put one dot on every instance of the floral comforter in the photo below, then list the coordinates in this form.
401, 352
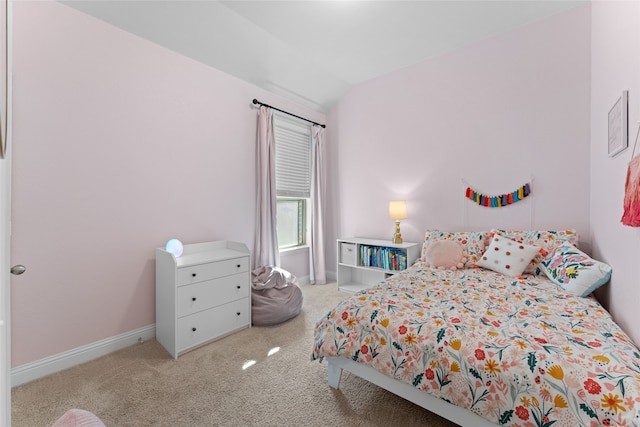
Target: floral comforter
515, 351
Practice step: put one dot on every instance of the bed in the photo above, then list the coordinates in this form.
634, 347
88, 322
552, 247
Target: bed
527, 346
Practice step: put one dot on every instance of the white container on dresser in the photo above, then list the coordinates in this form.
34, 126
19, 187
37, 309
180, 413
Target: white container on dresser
202, 295
363, 262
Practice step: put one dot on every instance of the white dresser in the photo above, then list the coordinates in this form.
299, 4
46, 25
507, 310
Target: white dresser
202, 295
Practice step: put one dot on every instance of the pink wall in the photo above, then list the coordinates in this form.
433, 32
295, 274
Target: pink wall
615, 65
494, 114
119, 145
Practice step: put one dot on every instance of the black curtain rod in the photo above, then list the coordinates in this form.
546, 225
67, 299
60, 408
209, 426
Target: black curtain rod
255, 101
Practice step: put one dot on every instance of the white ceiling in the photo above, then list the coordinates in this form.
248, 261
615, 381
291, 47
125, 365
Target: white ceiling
313, 52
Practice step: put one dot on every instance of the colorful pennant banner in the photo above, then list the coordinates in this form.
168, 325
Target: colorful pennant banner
501, 200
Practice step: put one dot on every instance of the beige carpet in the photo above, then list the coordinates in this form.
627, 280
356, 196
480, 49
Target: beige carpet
143, 386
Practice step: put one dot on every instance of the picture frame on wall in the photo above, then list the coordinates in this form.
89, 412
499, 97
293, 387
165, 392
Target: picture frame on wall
618, 125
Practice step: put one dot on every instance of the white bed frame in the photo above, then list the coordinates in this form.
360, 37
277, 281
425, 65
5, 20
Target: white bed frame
456, 414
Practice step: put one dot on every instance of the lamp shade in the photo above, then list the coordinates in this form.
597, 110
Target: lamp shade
398, 209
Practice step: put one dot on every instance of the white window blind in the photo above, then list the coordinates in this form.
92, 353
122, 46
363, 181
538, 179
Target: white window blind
293, 156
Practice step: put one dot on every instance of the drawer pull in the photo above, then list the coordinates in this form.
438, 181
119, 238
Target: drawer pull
193, 274
238, 313
238, 286
193, 329
238, 266
193, 299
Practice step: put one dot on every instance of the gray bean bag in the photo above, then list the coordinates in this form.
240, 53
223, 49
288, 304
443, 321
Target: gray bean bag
275, 296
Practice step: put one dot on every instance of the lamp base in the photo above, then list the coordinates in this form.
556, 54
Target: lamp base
397, 237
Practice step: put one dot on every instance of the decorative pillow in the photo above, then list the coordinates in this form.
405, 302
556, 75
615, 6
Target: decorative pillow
473, 243
575, 271
445, 255
547, 240
507, 256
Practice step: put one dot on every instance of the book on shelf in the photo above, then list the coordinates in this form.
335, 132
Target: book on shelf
382, 257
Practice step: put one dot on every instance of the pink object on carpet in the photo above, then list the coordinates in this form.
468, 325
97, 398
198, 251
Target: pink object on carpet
78, 418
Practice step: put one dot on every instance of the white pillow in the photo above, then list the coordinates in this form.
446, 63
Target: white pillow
507, 256
575, 271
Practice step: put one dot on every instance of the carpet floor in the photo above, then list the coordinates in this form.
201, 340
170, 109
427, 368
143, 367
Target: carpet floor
143, 385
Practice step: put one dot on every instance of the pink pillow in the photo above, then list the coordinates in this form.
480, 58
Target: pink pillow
445, 255
473, 243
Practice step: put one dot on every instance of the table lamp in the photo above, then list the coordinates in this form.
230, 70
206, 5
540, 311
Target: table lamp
397, 211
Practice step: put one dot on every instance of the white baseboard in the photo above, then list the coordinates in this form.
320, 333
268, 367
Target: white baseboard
49, 365
58, 362
332, 275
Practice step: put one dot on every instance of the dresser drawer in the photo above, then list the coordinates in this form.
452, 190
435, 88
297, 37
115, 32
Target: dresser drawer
213, 270
205, 325
212, 293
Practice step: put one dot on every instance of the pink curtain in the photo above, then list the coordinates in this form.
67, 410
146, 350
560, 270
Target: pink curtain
317, 274
265, 248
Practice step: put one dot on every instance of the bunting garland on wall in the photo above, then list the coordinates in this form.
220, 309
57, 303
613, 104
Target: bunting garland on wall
501, 200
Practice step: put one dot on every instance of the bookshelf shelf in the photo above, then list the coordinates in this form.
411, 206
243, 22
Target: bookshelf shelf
363, 262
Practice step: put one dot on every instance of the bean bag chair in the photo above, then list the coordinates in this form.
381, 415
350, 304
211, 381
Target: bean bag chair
275, 296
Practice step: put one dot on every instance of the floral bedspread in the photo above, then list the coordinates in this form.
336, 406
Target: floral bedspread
515, 351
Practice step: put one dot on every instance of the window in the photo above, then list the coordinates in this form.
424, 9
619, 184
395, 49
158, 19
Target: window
291, 217
293, 179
